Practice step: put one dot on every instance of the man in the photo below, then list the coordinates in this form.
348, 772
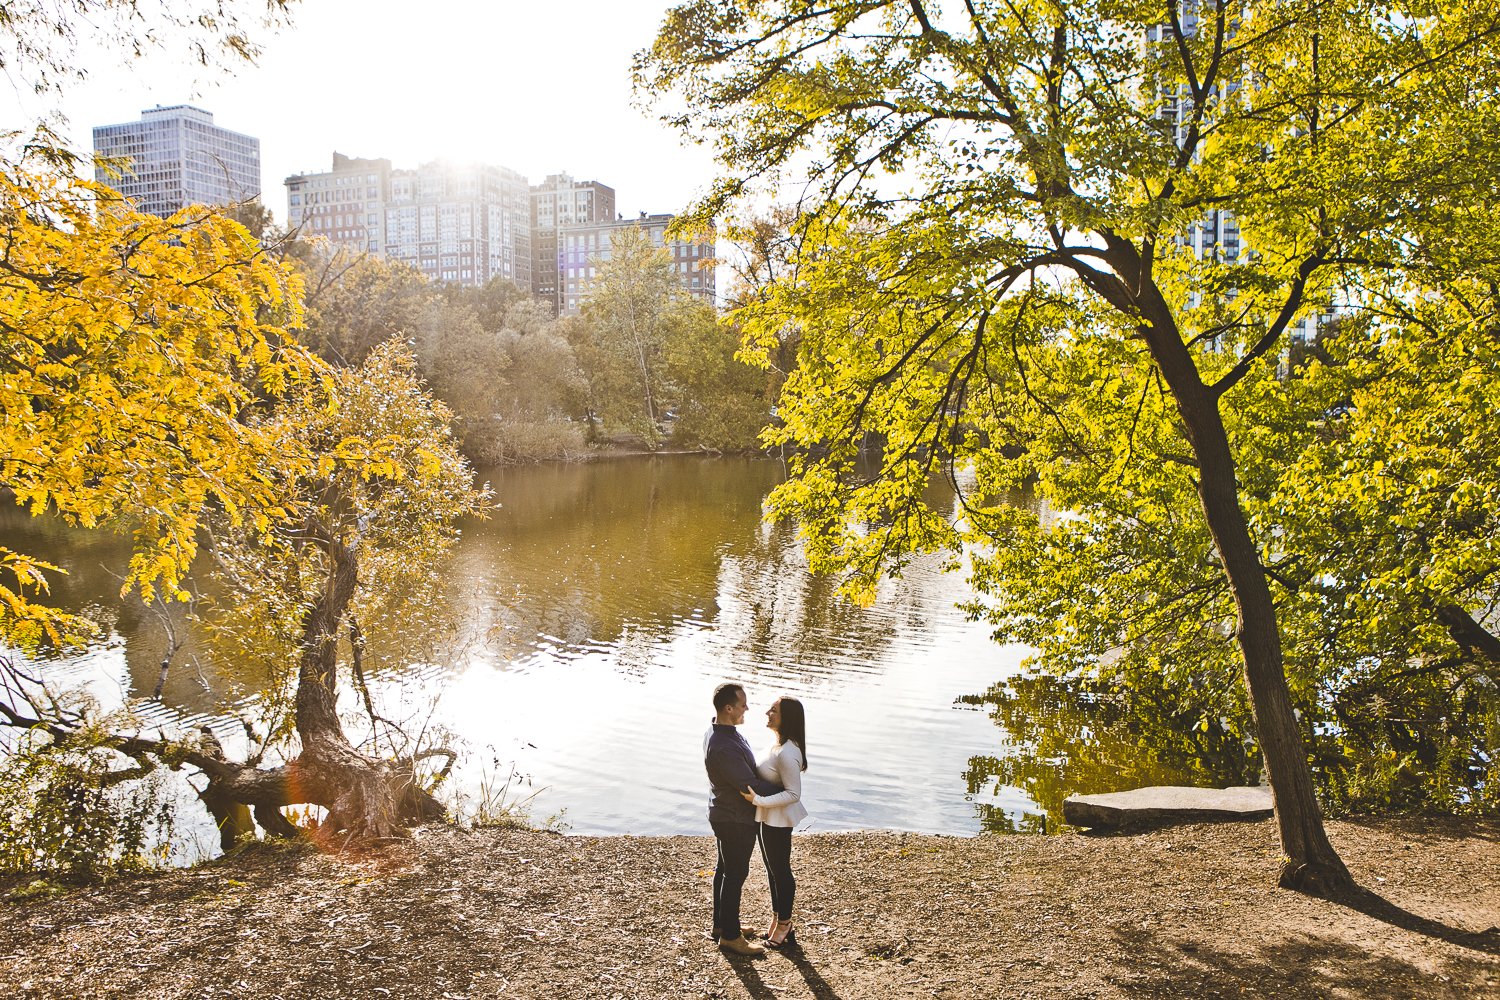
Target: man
731, 769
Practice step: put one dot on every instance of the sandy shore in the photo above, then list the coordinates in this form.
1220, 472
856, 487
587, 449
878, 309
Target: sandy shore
1188, 912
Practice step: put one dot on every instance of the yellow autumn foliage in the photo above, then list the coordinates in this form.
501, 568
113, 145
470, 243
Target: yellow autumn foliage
135, 349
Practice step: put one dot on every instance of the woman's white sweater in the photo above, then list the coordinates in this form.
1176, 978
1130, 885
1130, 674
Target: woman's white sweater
783, 765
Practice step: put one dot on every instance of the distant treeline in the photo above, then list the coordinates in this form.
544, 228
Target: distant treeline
645, 365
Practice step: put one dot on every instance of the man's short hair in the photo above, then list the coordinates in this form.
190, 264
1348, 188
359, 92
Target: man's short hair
726, 694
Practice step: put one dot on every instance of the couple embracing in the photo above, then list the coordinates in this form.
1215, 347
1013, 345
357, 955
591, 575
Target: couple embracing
754, 801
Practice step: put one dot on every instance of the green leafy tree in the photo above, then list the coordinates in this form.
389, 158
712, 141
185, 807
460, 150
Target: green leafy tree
635, 307
355, 301
992, 274
500, 305
1387, 495
467, 365
493, 355
532, 420
722, 402
546, 384
768, 245
648, 348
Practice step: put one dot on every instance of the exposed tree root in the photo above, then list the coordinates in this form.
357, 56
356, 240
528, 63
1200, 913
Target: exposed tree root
1328, 879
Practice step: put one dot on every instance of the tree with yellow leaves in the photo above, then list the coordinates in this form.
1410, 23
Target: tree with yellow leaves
133, 348
150, 383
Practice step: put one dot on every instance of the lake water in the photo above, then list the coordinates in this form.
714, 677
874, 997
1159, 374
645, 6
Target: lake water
597, 610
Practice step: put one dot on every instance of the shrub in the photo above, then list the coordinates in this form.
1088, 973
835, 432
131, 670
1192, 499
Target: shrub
514, 442
68, 812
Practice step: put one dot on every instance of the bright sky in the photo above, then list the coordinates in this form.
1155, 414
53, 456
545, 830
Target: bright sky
539, 87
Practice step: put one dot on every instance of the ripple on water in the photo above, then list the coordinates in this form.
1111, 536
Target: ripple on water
598, 610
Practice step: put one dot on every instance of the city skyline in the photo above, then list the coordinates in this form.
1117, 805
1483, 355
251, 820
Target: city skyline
368, 80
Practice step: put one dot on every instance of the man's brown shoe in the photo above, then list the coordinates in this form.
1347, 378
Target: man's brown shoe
740, 946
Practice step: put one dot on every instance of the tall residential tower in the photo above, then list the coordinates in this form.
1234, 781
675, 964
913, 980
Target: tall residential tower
468, 224
179, 157
556, 203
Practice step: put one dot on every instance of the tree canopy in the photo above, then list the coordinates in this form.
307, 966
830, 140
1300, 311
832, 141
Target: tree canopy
1062, 249
39, 41
134, 346
634, 307
494, 355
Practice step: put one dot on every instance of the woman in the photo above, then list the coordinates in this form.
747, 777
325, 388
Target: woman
776, 814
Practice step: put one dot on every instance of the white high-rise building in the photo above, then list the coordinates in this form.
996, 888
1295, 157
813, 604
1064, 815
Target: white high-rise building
459, 223
179, 157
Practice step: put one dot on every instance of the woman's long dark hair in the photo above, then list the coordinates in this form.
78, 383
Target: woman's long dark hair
793, 725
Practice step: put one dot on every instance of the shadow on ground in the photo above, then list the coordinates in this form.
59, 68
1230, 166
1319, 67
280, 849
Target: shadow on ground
1156, 966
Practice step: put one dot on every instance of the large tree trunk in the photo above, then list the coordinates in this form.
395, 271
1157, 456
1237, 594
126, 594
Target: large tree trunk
1311, 865
365, 798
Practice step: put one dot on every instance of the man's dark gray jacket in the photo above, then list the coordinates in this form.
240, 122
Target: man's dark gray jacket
731, 769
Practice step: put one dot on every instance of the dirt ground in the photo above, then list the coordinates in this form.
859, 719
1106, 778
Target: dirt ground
1189, 912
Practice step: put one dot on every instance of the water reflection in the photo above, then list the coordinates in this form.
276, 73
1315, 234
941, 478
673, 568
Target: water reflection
125, 658
1078, 737
587, 622
612, 598
580, 554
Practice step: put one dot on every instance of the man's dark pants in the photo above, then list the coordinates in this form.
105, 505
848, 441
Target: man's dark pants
736, 843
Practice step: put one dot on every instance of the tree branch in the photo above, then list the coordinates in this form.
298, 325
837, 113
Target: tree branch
1273, 333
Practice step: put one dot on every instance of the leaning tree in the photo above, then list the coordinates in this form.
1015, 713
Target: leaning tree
151, 385
1059, 248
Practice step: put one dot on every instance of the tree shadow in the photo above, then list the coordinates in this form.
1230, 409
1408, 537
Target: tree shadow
1377, 907
1158, 968
1424, 826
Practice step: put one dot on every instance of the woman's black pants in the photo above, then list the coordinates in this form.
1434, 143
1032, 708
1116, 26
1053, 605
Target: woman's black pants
776, 850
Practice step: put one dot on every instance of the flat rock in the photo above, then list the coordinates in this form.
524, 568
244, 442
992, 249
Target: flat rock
1163, 805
